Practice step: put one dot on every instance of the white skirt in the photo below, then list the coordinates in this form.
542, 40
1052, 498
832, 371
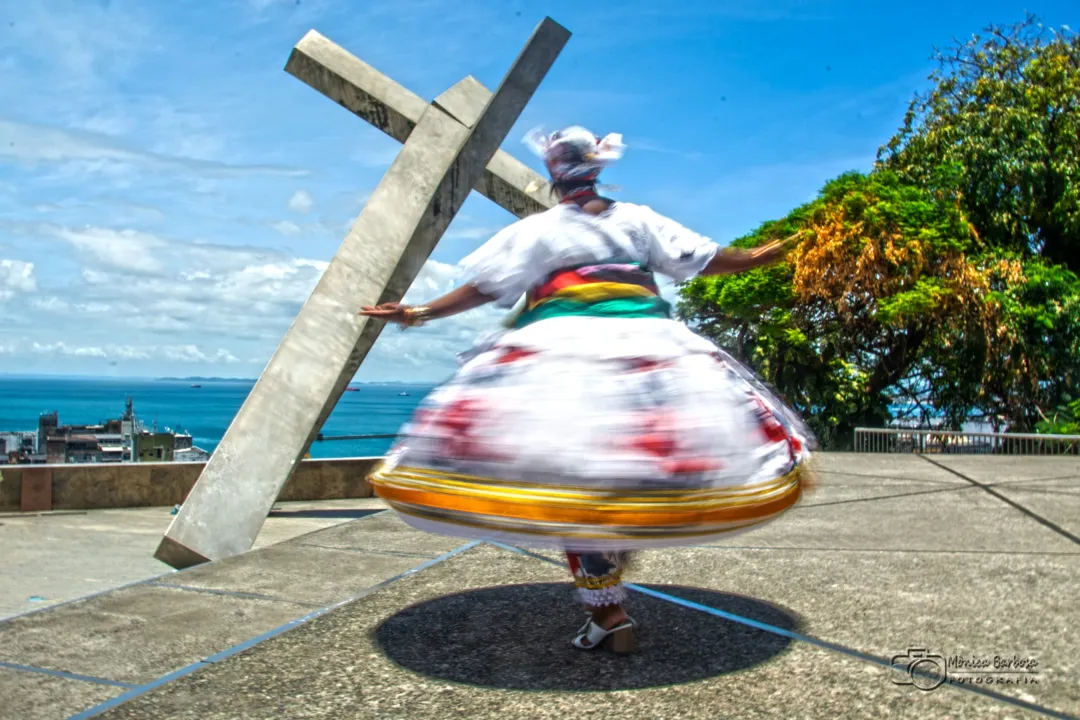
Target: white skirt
594, 434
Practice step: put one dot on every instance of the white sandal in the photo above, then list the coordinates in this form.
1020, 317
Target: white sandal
622, 636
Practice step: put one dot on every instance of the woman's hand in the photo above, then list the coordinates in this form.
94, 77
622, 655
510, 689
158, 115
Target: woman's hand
767, 254
390, 312
735, 260
463, 298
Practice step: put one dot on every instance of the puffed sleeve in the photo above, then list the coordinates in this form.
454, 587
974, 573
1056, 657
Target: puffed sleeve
674, 250
503, 267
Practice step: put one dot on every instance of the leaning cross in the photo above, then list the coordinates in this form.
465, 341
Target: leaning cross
449, 148
360, 88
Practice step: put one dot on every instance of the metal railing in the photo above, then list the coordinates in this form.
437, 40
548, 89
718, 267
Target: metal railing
908, 440
948, 442
377, 436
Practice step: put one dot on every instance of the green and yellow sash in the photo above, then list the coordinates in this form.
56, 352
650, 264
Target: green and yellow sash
610, 290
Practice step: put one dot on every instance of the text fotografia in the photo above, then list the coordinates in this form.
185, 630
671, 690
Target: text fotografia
927, 670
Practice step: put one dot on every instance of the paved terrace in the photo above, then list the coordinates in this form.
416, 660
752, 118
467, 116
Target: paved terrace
970, 556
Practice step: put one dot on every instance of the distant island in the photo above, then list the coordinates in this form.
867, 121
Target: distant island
397, 382
203, 379
196, 379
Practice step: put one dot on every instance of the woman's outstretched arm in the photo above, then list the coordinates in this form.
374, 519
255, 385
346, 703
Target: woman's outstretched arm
456, 301
734, 260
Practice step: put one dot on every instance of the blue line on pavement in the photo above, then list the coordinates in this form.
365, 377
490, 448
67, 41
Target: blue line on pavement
248, 644
65, 675
866, 657
91, 596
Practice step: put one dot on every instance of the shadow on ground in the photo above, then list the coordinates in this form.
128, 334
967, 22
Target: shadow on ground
327, 513
518, 637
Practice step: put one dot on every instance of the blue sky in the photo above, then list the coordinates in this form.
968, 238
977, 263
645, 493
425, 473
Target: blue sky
169, 195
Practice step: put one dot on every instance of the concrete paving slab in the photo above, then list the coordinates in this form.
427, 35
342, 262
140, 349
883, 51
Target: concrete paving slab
58, 557
884, 603
1060, 505
968, 519
299, 573
296, 519
1012, 469
137, 634
1047, 488
1061, 486
847, 478
384, 532
486, 635
842, 487
52, 558
881, 466
27, 696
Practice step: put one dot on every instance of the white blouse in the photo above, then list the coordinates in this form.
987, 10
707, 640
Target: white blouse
521, 256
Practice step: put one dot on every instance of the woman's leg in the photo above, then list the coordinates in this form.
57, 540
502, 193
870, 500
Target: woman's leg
598, 577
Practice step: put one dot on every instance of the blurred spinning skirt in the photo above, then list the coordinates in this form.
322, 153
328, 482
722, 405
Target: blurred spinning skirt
588, 432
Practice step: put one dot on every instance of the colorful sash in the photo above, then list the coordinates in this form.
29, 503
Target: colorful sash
609, 290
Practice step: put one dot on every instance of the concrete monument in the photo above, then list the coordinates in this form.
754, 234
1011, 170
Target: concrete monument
450, 147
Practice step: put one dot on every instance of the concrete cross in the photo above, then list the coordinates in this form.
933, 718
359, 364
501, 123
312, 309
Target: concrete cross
360, 88
449, 148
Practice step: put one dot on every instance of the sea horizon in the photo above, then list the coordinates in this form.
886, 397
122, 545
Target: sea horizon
205, 412
177, 378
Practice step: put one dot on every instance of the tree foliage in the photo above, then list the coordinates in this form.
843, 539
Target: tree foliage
881, 265
1064, 421
938, 286
1004, 111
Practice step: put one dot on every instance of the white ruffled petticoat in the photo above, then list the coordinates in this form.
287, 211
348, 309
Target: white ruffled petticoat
597, 434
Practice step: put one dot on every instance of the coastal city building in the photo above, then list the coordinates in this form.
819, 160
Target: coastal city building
123, 439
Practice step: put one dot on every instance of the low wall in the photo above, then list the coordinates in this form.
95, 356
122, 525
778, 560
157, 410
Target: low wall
116, 485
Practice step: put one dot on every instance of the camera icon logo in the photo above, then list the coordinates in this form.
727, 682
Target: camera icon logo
921, 668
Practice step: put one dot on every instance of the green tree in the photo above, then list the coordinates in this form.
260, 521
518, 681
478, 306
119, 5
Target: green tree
839, 328
1021, 359
942, 282
1004, 112
1064, 421
891, 299
1034, 365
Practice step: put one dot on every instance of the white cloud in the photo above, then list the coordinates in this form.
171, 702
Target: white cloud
194, 354
301, 201
60, 348
126, 352
137, 282
155, 301
185, 134
109, 122
94, 153
190, 354
286, 227
144, 298
82, 43
121, 250
16, 276
50, 304
470, 233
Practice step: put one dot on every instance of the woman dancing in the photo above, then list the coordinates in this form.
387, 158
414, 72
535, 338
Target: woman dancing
595, 423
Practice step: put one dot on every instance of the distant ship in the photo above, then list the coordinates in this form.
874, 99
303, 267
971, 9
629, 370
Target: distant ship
352, 389
196, 386
403, 394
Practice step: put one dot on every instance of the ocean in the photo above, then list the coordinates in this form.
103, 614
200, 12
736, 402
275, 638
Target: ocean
205, 412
